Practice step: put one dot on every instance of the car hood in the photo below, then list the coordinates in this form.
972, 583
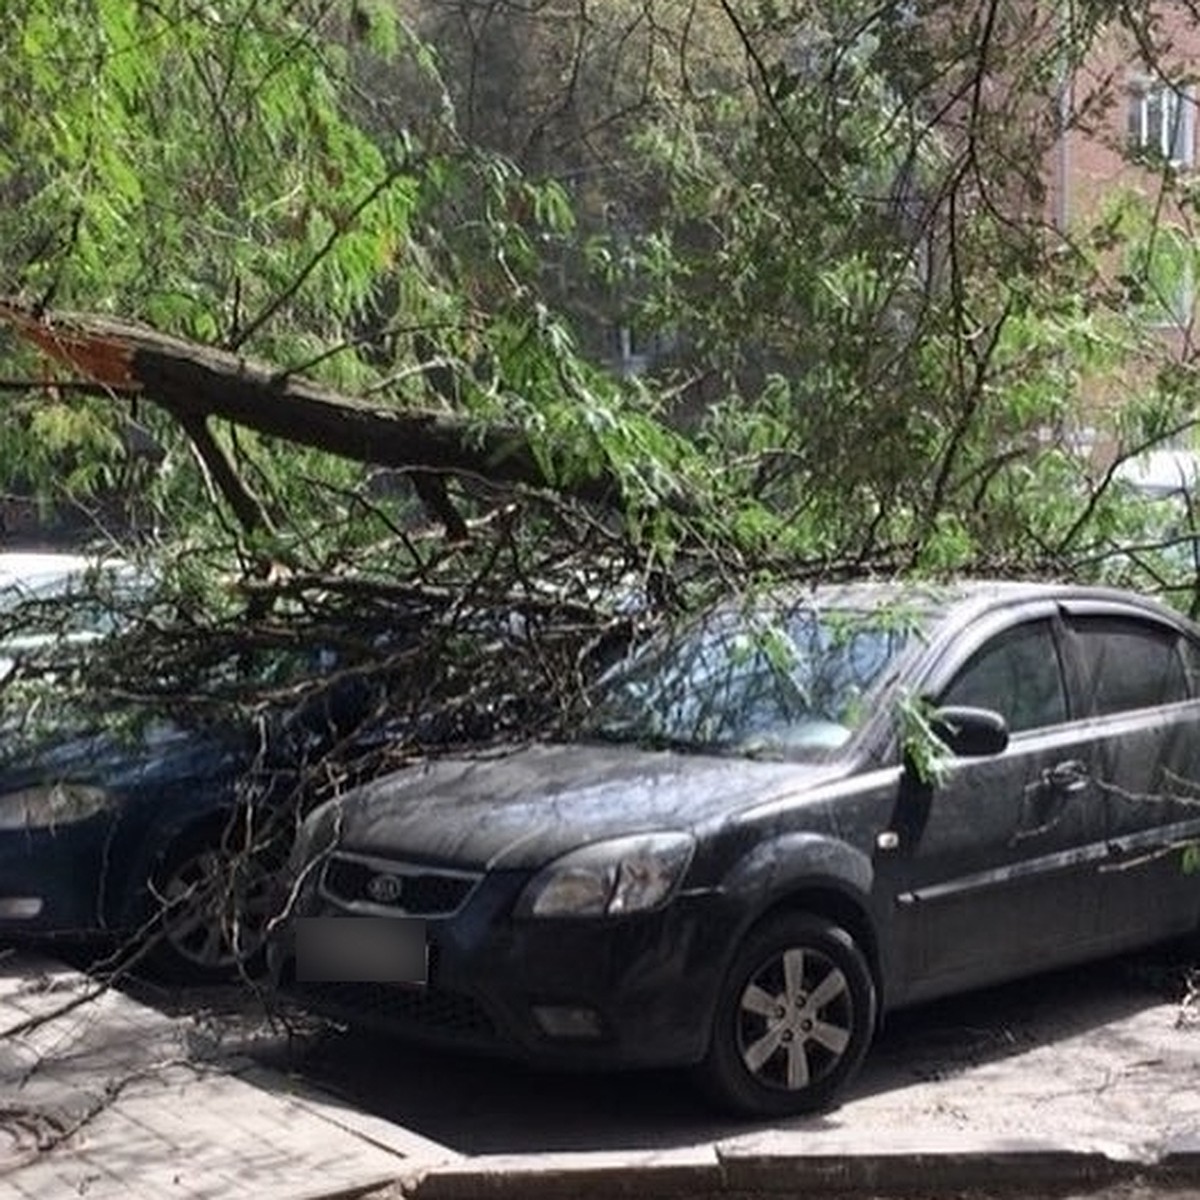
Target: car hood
525, 807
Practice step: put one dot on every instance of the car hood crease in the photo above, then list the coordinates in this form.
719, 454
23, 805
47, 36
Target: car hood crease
527, 807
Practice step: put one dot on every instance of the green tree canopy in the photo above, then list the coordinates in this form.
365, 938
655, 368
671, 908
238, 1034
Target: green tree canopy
834, 213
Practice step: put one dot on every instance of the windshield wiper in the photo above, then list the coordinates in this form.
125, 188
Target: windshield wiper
645, 740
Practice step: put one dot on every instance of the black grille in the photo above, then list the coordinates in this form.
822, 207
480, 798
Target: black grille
421, 893
383, 1003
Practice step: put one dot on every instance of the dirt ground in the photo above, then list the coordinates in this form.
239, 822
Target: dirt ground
1104, 1057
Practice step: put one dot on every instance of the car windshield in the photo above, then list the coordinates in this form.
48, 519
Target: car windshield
787, 685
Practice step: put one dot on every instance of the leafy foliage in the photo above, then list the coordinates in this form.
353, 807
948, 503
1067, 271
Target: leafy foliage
881, 353
880, 345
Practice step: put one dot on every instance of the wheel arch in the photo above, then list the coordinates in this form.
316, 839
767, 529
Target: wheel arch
827, 923
157, 849
836, 905
812, 873
191, 867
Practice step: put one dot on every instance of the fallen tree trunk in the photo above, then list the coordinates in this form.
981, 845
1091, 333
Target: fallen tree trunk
194, 382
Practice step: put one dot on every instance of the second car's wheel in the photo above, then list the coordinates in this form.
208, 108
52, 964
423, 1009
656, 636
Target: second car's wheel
215, 904
794, 1018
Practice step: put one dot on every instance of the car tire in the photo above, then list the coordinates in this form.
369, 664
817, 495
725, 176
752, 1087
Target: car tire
214, 903
793, 1021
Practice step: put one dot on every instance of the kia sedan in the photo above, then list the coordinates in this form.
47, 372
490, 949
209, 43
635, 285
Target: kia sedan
780, 822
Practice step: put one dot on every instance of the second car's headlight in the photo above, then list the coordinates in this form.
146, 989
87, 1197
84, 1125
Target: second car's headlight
623, 875
52, 804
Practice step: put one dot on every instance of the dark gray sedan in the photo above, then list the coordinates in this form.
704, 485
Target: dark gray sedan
782, 821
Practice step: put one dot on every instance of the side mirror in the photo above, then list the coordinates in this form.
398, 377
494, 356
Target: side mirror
971, 732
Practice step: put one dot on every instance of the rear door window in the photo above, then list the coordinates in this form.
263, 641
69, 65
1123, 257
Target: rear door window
1130, 664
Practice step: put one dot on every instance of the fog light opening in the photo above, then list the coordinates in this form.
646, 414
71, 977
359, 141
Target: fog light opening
20, 908
568, 1021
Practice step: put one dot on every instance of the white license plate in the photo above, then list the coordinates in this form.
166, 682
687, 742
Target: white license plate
361, 950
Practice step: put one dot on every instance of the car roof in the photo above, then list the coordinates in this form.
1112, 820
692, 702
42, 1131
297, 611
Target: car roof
31, 568
49, 573
1161, 472
969, 596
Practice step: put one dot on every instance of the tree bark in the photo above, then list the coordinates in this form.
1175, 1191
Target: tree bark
194, 382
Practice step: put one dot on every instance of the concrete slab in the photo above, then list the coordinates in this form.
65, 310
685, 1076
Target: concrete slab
671, 1175
1043, 1088
100, 1096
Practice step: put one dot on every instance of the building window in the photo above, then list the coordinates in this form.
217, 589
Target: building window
1162, 122
632, 357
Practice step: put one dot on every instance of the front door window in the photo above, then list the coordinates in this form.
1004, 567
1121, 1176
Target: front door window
1018, 675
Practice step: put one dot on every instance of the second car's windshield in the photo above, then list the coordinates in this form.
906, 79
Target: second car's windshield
788, 684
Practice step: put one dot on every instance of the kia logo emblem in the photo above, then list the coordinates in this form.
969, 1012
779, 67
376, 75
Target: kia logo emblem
385, 888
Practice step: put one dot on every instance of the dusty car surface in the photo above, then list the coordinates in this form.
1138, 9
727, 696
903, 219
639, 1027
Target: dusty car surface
782, 821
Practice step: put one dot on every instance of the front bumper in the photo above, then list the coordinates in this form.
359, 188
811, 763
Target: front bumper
52, 881
646, 984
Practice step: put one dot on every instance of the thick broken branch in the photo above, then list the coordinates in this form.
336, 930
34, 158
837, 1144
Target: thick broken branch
194, 382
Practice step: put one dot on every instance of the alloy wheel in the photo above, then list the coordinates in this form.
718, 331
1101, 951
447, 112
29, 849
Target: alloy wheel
216, 912
795, 1019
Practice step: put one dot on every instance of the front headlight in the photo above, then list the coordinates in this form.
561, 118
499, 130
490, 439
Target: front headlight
622, 875
52, 804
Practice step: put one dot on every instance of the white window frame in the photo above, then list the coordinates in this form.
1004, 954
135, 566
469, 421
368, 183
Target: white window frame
1162, 121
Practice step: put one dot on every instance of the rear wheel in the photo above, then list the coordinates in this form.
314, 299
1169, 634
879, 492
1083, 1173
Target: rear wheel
794, 1019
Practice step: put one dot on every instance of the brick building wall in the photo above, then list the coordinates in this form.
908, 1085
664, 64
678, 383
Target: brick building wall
1092, 161
1132, 131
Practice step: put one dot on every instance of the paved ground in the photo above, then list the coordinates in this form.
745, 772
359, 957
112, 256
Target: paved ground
1075, 1081
1082, 1078
111, 1098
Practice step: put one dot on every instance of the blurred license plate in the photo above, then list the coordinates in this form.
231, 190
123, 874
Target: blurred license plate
361, 950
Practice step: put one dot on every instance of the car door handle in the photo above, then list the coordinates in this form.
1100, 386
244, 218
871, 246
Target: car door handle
1068, 776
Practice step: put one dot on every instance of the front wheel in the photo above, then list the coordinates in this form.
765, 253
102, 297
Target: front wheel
215, 905
794, 1019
